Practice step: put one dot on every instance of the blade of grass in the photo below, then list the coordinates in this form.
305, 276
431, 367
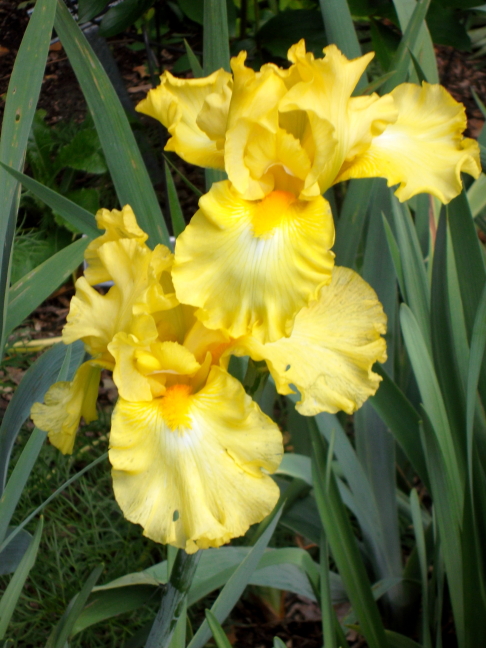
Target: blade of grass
402, 419
196, 67
443, 343
396, 640
375, 446
476, 195
18, 479
394, 253
21, 101
448, 518
11, 595
82, 219
434, 406
470, 264
343, 545
233, 589
62, 631
424, 47
353, 472
187, 182
25, 463
215, 55
326, 601
478, 343
414, 275
215, 37
401, 60
36, 381
176, 215
340, 30
39, 283
217, 631
179, 637
57, 492
350, 225
127, 168
418, 528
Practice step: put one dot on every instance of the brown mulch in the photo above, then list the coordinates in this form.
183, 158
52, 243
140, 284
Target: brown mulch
459, 74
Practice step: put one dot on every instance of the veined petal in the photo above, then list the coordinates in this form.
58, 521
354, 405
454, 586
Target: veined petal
118, 225
180, 105
64, 405
424, 150
332, 348
250, 266
190, 468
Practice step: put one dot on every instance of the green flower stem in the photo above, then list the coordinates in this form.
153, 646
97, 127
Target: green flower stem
173, 599
255, 379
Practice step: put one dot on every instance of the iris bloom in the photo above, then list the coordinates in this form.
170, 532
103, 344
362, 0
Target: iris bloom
190, 451
258, 249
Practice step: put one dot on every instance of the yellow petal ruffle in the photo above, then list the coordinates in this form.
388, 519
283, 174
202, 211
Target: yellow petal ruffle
332, 348
64, 405
299, 124
195, 112
117, 225
252, 117
137, 270
424, 150
191, 468
250, 266
324, 94
143, 368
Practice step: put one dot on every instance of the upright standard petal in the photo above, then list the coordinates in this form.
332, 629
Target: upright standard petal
424, 150
117, 225
332, 348
184, 107
323, 92
64, 405
192, 468
250, 266
252, 117
136, 270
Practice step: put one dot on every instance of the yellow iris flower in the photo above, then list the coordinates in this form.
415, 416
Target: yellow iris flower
258, 249
191, 452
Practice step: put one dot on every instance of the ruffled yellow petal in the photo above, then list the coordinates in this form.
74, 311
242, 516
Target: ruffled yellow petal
64, 405
332, 348
144, 368
136, 270
194, 111
132, 383
201, 340
253, 113
191, 468
118, 225
324, 94
250, 266
424, 150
